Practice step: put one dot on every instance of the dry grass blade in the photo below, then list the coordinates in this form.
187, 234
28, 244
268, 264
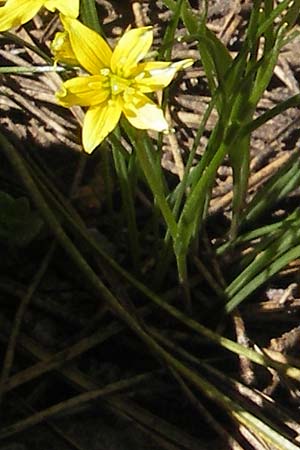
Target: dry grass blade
118, 405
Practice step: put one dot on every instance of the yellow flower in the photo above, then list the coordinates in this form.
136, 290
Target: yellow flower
118, 81
62, 50
18, 12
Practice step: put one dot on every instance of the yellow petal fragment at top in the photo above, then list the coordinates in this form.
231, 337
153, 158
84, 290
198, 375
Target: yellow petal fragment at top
90, 49
17, 12
156, 75
67, 7
144, 114
83, 91
131, 48
98, 122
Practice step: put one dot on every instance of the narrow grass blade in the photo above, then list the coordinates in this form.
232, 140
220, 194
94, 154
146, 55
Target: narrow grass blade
89, 16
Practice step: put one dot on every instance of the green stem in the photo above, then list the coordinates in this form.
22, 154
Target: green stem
89, 15
152, 175
127, 202
32, 69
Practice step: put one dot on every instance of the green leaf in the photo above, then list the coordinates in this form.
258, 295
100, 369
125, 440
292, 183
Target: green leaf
18, 225
213, 54
269, 259
89, 16
190, 19
262, 277
275, 189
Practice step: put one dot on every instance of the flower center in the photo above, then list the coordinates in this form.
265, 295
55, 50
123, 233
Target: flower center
118, 84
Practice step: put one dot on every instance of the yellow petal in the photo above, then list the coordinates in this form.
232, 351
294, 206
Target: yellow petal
153, 76
131, 48
18, 12
67, 7
90, 48
62, 50
83, 91
98, 122
144, 114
